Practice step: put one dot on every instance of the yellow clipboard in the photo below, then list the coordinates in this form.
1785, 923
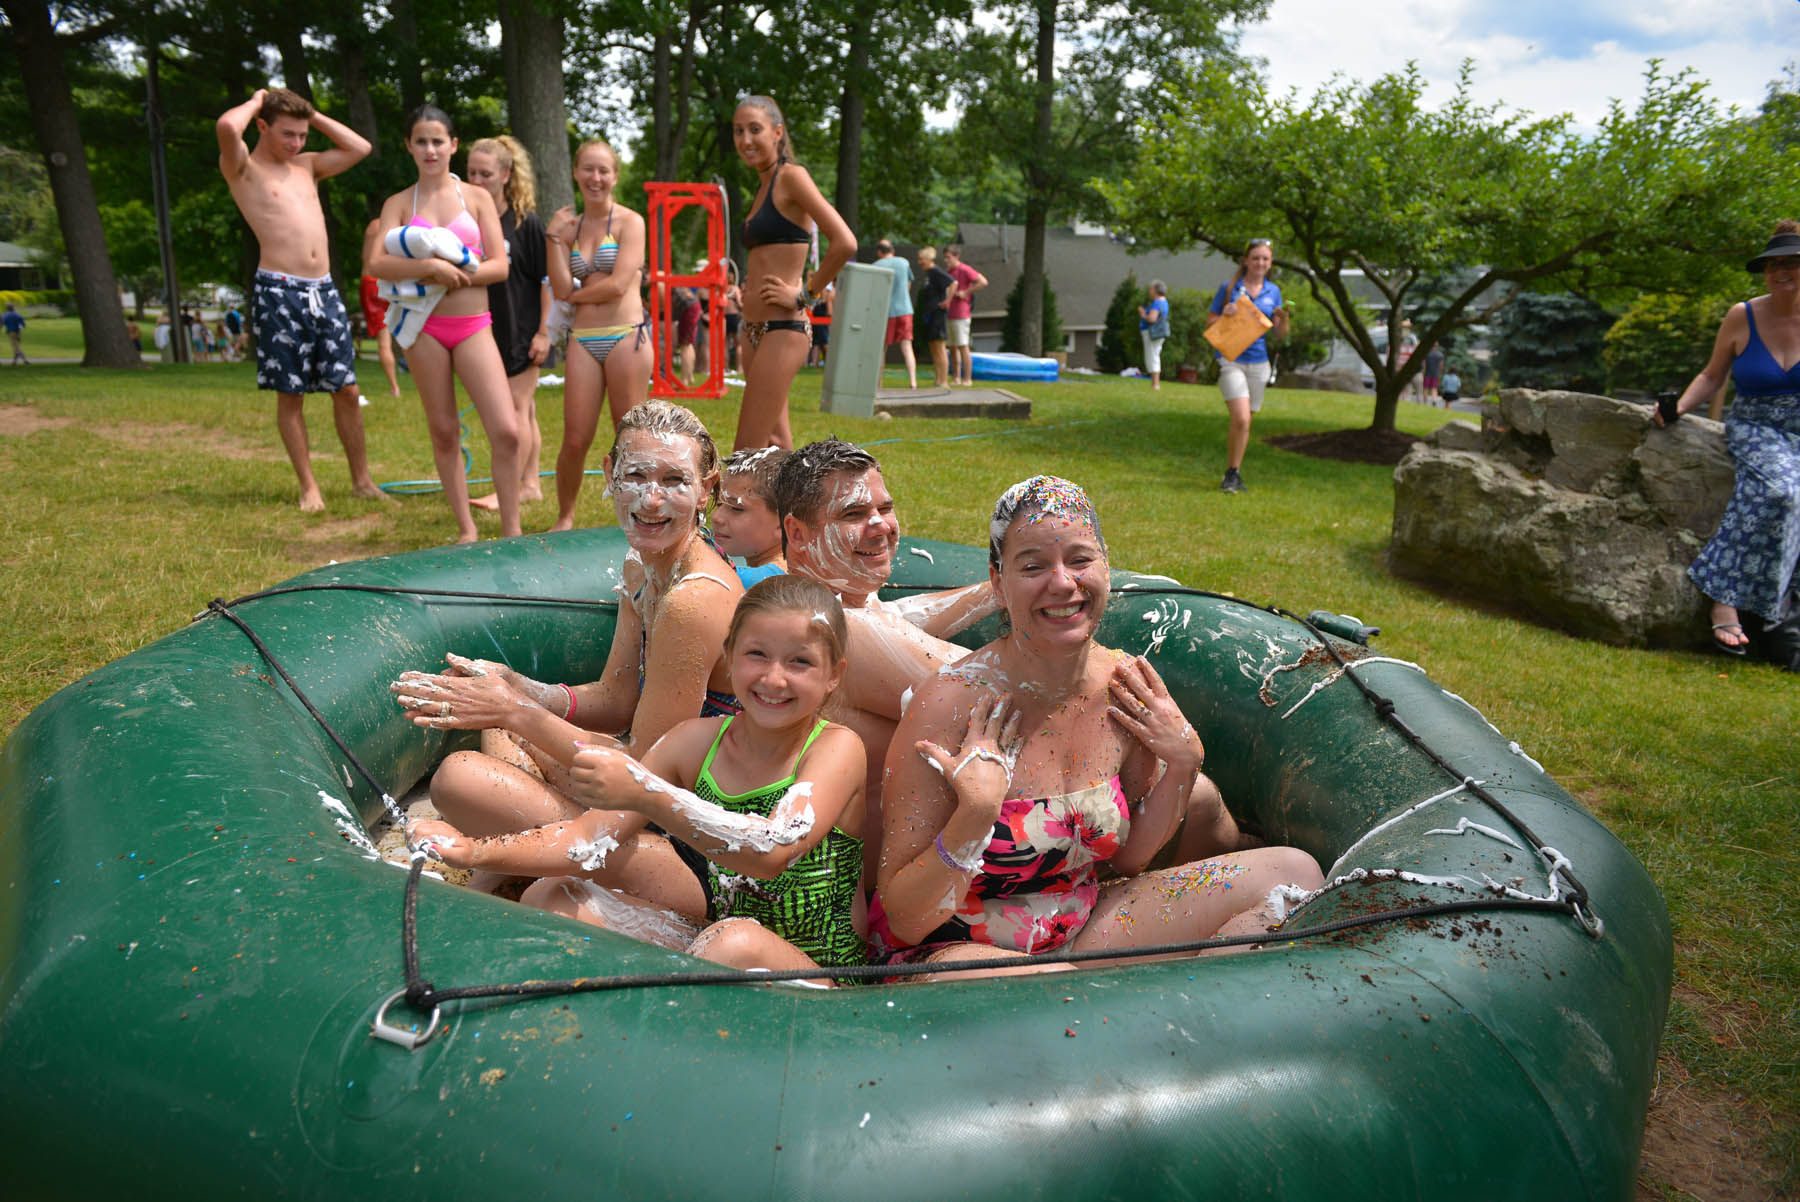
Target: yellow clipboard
1233, 333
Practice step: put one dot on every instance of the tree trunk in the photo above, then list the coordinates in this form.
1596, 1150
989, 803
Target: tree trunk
359, 103
851, 106
531, 47
294, 74
78, 213
406, 55
661, 110
1037, 199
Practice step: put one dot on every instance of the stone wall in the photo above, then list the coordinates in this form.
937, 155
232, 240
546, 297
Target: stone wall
1574, 510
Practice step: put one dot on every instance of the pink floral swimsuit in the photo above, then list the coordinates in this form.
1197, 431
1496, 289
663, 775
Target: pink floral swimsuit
1039, 879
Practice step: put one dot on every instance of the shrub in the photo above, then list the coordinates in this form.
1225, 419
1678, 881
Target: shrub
1310, 334
1009, 328
1662, 341
1187, 345
1120, 347
1551, 341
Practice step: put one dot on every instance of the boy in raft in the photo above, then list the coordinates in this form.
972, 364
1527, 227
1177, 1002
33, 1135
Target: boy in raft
744, 522
760, 815
303, 341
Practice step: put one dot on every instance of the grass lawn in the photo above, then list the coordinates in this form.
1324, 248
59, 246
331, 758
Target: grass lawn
136, 496
57, 338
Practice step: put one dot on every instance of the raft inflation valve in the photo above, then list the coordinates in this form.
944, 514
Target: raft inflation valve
1343, 625
410, 1038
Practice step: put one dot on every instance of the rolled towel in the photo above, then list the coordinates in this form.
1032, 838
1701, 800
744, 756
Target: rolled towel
430, 241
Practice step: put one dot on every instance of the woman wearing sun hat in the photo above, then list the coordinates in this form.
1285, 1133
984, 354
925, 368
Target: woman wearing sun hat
1748, 567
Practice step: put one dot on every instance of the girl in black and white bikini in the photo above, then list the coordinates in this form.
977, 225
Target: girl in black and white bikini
777, 289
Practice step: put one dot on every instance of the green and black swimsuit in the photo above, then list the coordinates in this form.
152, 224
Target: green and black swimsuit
811, 904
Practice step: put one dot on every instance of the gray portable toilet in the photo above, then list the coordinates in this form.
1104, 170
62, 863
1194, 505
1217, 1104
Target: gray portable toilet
858, 341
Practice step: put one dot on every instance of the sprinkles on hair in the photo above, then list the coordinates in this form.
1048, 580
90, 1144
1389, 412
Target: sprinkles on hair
1036, 499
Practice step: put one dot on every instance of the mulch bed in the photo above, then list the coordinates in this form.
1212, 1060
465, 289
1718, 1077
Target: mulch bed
1385, 447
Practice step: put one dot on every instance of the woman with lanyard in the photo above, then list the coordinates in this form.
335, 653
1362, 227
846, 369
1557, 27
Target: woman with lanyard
597, 269
1749, 565
521, 302
456, 338
1243, 379
777, 291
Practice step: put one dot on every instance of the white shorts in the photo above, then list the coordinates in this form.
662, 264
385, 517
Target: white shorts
1239, 380
1152, 352
959, 330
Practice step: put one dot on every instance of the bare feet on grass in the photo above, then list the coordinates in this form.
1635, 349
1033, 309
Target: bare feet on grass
490, 503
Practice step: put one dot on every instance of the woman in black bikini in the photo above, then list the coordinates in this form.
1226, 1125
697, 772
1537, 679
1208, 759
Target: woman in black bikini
777, 291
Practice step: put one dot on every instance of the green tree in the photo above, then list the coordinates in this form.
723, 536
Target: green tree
1187, 345
1663, 340
1012, 336
1058, 90
1120, 346
1551, 340
1309, 337
1364, 181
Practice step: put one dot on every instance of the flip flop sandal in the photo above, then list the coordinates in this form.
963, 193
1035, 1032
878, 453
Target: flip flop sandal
1738, 649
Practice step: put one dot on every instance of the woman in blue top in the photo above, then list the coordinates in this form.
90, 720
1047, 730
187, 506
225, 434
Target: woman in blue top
1749, 564
1243, 379
1153, 328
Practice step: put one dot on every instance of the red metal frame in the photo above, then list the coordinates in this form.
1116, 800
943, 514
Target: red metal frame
667, 200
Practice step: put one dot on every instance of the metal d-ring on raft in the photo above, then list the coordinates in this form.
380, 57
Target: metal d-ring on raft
199, 946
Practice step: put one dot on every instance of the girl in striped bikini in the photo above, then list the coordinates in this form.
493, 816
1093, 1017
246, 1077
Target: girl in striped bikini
597, 266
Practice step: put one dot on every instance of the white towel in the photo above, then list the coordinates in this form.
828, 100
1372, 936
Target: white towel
410, 302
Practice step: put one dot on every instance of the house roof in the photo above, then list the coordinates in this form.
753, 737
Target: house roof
1084, 269
14, 255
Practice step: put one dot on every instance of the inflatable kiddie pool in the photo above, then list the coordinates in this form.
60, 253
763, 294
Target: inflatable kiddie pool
1006, 365
200, 951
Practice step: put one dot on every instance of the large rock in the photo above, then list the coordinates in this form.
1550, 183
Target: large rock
1575, 510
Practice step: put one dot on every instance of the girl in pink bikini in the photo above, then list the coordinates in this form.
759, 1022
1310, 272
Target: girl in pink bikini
1019, 771
456, 340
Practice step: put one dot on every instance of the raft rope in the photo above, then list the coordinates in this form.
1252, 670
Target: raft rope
424, 996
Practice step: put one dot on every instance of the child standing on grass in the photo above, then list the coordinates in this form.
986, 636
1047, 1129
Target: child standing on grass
761, 813
745, 523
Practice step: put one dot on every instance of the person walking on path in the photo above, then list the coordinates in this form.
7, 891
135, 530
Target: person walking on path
14, 321
965, 282
900, 307
303, 331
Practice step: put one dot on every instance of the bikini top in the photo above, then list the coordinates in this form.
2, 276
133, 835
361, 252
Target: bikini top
1756, 373
605, 255
462, 225
767, 225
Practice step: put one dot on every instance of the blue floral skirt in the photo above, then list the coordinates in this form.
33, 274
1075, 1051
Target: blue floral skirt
1750, 561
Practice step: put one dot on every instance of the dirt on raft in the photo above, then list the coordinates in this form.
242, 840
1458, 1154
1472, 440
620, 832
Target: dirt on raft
1384, 447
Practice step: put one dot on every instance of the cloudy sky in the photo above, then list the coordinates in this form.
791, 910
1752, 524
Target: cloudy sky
1542, 56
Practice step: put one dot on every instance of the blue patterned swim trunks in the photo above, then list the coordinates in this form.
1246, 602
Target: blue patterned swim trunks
303, 341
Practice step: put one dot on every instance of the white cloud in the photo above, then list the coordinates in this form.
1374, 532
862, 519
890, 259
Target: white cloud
1538, 56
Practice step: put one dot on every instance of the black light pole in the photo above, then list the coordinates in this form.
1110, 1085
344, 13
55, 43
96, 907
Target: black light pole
159, 183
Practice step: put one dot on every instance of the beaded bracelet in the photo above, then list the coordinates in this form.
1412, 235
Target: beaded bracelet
570, 716
951, 861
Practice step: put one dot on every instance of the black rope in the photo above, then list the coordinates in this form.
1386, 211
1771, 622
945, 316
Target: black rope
423, 995
395, 590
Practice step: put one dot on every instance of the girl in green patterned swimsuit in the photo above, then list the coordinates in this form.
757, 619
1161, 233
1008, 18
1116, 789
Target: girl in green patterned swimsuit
758, 817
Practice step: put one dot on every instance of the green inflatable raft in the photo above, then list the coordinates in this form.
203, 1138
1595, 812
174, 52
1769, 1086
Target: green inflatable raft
199, 952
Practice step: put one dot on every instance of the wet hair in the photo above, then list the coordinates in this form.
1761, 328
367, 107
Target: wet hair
800, 484
521, 181
280, 102
758, 466
664, 418
784, 149
1040, 496
795, 595
429, 112
590, 144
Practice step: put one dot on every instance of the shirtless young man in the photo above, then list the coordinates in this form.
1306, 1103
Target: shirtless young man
838, 522
303, 341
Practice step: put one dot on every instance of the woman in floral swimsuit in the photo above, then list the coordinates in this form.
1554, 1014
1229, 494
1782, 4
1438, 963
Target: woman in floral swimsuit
1015, 775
